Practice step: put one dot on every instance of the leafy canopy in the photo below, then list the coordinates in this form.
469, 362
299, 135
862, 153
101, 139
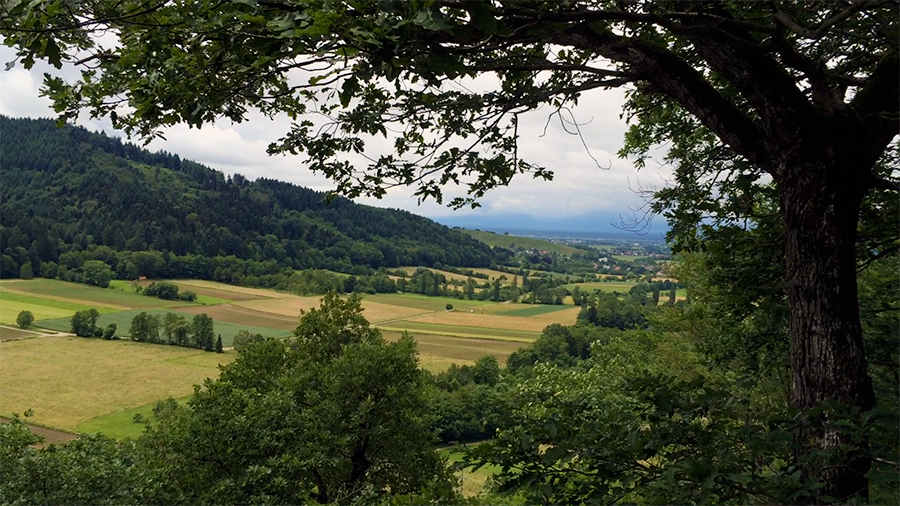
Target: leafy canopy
720, 79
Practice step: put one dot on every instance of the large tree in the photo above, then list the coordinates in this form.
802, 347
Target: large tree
803, 94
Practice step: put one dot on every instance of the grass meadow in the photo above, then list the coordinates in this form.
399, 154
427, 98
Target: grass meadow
464, 331
92, 296
93, 385
123, 319
69, 380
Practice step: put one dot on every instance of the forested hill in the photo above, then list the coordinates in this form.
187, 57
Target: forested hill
70, 190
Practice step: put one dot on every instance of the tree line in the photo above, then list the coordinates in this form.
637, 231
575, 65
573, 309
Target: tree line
67, 190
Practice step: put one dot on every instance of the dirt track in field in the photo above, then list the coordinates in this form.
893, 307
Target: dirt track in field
245, 316
50, 435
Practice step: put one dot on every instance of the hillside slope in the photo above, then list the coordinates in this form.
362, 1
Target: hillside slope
67, 189
512, 242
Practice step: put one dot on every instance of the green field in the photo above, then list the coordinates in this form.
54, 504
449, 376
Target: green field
472, 482
121, 424
608, 287
418, 301
514, 242
523, 336
70, 380
123, 323
535, 310
91, 296
205, 300
11, 304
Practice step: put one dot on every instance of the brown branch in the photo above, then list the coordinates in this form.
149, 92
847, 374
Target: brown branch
818, 32
883, 184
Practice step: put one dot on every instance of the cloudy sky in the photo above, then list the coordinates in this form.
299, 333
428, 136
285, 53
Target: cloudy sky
580, 188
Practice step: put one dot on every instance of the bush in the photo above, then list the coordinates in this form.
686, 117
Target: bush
25, 319
449, 307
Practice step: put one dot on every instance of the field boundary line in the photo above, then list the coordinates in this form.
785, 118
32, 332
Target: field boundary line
67, 299
460, 335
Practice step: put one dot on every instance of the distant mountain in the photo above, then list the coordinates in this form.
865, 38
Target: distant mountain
606, 224
512, 242
70, 190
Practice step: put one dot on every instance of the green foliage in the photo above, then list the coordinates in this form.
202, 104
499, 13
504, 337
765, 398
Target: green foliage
26, 272
96, 273
84, 323
110, 332
202, 329
145, 328
90, 470
641, 421
24, 319
168, 291
334, 415
227, 229
607, 310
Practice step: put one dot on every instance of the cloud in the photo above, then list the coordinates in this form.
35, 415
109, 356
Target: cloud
588, 175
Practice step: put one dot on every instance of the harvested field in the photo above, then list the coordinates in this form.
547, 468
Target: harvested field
78, 293
496, 274
68, 380
377, 312
290, 305
230, 290
243, 316
604, 286
217, 294
485, 321
7, 333
458, 350
417, 301
440, 364
522, 336
566, 316
447, 274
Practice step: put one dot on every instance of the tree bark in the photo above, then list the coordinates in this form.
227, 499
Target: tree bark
821, 191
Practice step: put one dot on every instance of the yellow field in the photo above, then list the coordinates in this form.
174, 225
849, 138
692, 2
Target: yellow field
68, 380
291, 306
259, 292
377, 312
9, 310
440, 364
449, 275
496, 274
288, 305
488, 321
563, 317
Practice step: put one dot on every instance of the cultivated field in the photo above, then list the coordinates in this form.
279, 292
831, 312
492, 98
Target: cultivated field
466, 319
462, 331
425, 302
227, 291
96, 385
221, 327
513, 242
604, 286
8, 333
69, 380
91, 296
445, 350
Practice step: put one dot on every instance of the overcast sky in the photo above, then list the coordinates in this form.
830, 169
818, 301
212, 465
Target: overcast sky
579, 188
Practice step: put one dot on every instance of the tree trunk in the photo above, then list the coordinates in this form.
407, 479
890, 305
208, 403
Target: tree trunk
820, 202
